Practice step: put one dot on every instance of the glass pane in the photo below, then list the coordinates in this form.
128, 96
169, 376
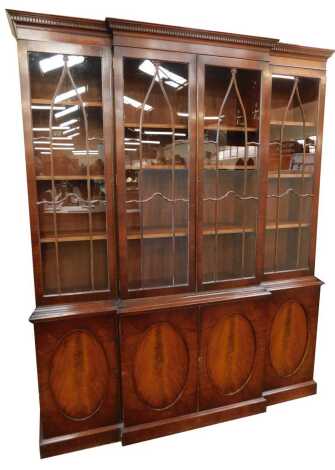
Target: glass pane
291, 172
230, 173
157, 172
66, 105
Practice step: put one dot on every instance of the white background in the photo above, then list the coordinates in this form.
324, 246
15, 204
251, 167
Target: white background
297, 434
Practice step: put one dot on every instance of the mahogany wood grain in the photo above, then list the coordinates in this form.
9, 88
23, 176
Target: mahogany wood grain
291, 392
30, 167
52, 446
108, 122
291, 337
263, 169
317, 170
232, 352
78, 374
288, 338
114, 364
156, 383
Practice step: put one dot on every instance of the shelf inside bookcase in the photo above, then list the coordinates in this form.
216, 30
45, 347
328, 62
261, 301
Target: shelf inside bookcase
69, 177
292, 123
156, 167
155, 125
223, 230
213, 127
73, 237
182, 167
288, 174
271, 174
231, 168
87, 103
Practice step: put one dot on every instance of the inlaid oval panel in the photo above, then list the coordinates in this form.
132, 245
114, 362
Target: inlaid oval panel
79, 375
289, 335
231, 353
160, 366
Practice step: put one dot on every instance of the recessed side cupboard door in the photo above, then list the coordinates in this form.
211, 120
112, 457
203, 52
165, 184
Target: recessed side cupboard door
233, 103
291, 341
155, 142
67, 109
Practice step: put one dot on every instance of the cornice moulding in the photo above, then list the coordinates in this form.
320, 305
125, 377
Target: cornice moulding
115, 25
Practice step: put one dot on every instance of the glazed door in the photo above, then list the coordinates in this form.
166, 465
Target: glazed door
155, 115
293, 171
66, 94
231, 123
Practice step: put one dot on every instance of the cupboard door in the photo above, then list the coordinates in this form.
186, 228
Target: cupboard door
68, 160
292, 172
229, 161
232, 352
291, 338
78, 375
159, 355
155, 157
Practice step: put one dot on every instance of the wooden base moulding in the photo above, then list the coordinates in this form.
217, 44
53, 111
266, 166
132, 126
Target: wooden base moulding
279, 395
78, 441
143, 432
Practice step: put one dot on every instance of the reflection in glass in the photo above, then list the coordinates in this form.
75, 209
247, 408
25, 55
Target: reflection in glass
67, 135
230, 173
291, 172
156, 152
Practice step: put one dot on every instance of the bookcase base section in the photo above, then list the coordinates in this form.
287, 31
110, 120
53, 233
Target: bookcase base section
190, 363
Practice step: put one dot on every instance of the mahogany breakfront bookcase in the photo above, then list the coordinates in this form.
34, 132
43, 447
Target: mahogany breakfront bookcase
173, 180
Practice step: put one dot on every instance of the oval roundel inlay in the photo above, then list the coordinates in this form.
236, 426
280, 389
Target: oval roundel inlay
231, 353
289, 335
160, 366
79, 375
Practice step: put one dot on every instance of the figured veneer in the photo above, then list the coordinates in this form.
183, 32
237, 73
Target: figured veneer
79, 364
78, 376
173, 206
230, 354
289, 361
288, 339
163, 350
232, 351
159, 365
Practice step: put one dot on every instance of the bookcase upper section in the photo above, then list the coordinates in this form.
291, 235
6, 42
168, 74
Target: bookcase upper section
166, 160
